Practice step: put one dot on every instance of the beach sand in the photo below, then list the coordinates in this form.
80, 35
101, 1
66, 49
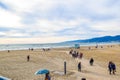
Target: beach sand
14, 64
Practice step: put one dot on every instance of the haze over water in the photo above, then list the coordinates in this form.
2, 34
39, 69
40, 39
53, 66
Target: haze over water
49, 45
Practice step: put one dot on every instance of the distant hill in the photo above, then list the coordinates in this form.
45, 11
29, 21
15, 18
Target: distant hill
98, 39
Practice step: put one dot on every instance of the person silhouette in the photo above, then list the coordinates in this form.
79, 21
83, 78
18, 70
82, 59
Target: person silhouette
91, 61
28, 58
79, 66
111, 67
47, 76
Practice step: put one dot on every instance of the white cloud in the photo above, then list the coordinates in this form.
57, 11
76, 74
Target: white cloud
51, 27
32, 40
9, 19
13, 33
48, 18
55, 25
110, 25
28, 6
2, 34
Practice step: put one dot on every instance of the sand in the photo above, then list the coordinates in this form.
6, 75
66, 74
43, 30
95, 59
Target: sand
14, 64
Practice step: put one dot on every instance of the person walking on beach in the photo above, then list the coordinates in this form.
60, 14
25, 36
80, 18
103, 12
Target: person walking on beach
28, 58
111, 67
79, 66
47, 76
81, 55
91, 61
8, 51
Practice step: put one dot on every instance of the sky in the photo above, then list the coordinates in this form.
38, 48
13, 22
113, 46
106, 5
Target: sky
49, 21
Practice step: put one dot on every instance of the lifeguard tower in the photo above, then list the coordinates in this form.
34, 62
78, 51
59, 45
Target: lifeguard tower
77, 46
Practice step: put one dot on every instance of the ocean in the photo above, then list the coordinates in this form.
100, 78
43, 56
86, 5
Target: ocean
47, 45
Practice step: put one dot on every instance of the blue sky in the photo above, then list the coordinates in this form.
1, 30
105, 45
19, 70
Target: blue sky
46, 21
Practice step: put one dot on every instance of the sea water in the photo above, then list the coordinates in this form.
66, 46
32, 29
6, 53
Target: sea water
47, 45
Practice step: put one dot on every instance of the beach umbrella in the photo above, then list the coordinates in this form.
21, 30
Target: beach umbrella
4, 78
41, 71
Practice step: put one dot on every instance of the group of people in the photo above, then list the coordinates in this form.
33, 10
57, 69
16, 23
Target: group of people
31, 49
76, 54
46, 49
111, 66
91, 63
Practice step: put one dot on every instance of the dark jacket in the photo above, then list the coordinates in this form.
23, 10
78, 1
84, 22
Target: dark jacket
113, 66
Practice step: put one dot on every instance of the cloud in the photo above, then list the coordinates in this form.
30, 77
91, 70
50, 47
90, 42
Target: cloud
66, 19
9, 19
110, 27
2, 5
13, 34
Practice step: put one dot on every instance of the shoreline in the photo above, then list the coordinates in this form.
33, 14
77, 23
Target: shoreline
4, 47
38, 48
